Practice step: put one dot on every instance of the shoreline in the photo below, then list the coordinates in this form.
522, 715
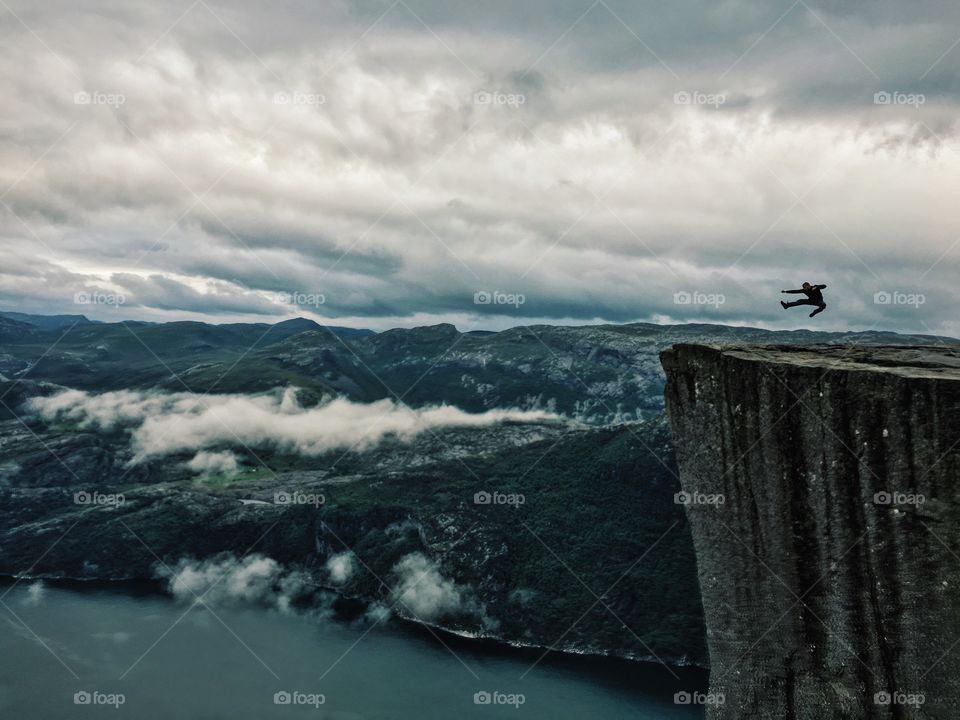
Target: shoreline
155, 588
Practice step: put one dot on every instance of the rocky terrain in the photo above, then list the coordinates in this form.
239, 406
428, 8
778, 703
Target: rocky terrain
824, 510
518, 572
595, 556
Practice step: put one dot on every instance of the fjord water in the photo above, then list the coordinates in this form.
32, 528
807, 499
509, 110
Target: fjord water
169, 661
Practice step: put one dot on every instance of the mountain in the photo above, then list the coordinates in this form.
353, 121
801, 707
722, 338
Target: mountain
110, 356
599, 374
47, 322
598, 557
825, 510
14, 331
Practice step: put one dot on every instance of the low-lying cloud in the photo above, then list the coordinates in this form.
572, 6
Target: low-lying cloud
341, 567
35, 594
166, 423
417, 587
224, 580
423, 590
207, 463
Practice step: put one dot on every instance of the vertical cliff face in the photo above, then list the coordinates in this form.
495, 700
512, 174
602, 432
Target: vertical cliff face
823, 487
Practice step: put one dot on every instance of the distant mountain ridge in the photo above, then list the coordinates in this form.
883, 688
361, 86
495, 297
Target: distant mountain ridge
47, 322
53, 322
597, 373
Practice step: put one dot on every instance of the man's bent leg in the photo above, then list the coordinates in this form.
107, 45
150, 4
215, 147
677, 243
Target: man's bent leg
820, 309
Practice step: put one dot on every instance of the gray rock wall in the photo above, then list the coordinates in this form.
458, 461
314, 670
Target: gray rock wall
823, 498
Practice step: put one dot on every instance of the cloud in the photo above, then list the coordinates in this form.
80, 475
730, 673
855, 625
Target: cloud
35, 594
425, 593
376, 613
341, 567
419, 587
206, 463
218, 297
422, 589
162, 424
224, 580
399, 195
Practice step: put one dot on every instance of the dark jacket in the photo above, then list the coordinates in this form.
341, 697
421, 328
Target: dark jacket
813, 293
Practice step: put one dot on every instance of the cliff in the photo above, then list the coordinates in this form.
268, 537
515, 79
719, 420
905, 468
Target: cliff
821, 488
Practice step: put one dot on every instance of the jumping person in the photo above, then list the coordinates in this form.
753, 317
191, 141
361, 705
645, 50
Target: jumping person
814, 297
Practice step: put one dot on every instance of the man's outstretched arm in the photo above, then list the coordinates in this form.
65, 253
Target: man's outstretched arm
794, 292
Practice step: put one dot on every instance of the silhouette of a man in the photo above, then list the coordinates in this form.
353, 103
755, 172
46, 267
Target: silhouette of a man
814, 297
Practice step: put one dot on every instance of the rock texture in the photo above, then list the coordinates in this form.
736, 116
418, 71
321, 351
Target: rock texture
823, 498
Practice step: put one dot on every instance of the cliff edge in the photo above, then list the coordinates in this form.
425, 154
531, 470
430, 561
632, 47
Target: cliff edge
821, 485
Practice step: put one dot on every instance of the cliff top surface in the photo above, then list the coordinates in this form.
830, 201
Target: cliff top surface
904, 360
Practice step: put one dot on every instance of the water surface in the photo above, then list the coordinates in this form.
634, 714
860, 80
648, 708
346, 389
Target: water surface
170, 661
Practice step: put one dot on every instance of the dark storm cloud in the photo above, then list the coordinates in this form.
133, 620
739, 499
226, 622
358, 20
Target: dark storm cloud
165, 293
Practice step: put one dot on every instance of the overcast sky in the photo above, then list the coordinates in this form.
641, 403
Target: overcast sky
379, 164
